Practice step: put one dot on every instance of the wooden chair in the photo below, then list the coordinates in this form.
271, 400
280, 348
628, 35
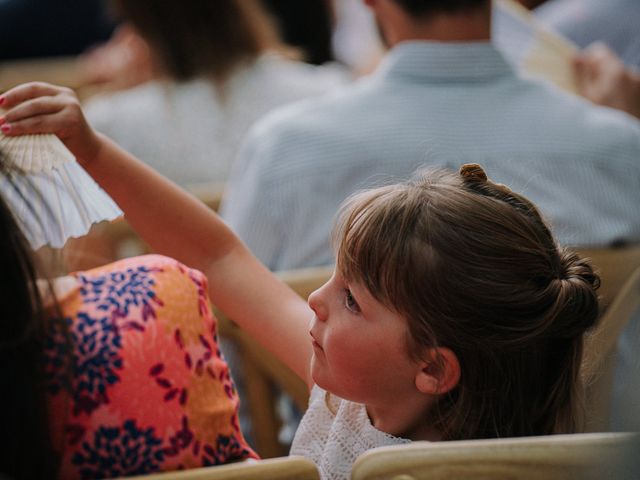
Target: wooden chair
600, 351
210, 193
298, 468
58, 70
63, 71
615, 266
553, 457
263, 372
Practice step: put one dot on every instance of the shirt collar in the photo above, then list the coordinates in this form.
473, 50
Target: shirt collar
440, 62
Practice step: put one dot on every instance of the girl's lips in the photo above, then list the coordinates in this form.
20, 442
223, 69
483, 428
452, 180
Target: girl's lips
314, 342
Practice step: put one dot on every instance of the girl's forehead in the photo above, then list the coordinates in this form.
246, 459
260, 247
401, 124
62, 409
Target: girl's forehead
347, 277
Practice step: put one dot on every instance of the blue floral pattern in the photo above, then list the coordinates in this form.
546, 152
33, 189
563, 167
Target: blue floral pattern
97, 338
116, 451
116, 339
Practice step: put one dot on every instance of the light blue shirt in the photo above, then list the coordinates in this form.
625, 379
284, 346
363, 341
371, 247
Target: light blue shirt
434, 104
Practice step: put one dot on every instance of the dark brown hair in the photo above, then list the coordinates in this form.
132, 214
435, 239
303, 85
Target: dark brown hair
305, 25
25, 445
419, 8
472, 267
201, 38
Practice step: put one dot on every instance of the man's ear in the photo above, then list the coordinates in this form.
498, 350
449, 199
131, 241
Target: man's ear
439, 372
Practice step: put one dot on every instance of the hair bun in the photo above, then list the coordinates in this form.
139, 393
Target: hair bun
572, 266
576, 298
473, 172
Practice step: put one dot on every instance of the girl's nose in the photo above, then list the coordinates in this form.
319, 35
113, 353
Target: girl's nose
318, 304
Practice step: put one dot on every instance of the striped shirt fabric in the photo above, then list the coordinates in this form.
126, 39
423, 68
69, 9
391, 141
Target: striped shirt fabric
434, 104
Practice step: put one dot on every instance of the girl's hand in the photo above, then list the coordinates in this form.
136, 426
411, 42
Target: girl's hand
42, 108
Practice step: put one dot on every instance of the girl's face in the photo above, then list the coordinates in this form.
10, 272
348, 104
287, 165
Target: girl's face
359, 346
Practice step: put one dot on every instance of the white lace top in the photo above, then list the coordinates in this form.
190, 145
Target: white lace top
334, 442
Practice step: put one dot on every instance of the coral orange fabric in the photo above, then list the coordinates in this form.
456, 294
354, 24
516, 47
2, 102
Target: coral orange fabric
146, 388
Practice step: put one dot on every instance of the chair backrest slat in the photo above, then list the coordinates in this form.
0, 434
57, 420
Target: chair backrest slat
557, 457
293, 467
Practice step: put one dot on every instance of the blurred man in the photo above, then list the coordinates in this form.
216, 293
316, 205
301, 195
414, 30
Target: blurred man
442, 96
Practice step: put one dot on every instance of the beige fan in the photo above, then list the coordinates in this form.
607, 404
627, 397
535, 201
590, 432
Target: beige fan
545, 53
35, 153
50, 194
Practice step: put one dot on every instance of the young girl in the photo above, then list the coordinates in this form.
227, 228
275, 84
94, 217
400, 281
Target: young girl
452, 313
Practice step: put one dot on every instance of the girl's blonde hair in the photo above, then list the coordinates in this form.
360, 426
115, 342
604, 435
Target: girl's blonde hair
472, 267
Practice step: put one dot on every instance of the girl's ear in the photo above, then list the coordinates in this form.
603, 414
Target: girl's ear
439, 373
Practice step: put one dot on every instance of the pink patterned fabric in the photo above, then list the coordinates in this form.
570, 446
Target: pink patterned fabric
146, 389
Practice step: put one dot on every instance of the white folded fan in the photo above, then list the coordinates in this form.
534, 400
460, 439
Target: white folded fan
537, 50
52, 197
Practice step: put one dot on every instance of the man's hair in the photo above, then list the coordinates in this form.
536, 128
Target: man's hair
472, 267
418, 8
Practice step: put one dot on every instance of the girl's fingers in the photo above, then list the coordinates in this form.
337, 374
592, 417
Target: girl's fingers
27, 91
48, 109
43, 108
31, 125
33, 107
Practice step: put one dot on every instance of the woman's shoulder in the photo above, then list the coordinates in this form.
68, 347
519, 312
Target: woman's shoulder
143, 290
289, 80
149, 264
139, 294
144, 365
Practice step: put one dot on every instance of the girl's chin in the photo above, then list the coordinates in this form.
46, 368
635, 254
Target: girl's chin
316, 373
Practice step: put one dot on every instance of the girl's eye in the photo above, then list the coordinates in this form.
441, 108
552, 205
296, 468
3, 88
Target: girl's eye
350, 302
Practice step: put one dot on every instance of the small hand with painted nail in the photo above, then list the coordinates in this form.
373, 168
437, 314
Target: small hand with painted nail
43, 108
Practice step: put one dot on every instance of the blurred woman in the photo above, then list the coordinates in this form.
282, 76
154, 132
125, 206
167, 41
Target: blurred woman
110, 372
219, 66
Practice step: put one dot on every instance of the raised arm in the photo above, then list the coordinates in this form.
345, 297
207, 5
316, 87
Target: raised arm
172, 222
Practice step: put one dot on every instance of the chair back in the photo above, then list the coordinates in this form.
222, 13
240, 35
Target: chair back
553, 457
599, 355
615, 266
304, 281
298, 468
57, 70
209, 193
